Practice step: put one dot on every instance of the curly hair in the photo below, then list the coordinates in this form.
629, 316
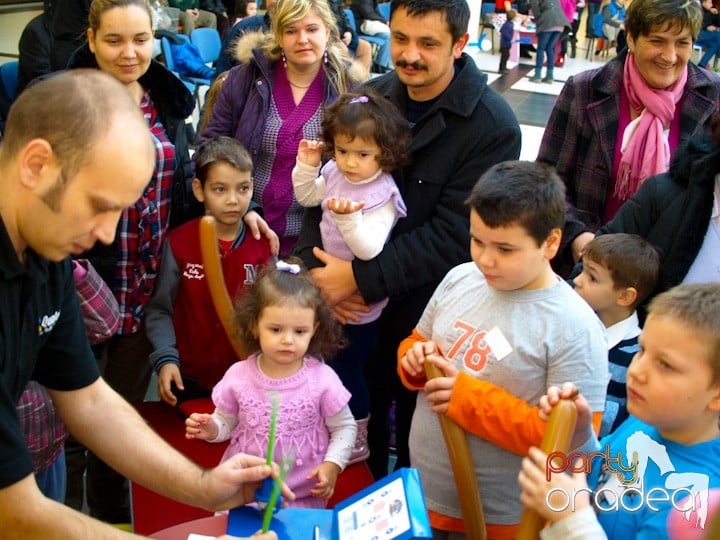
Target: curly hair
275, 287
371, 117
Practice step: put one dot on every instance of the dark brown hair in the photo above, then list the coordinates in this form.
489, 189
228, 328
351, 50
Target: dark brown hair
525, 193
220, 149
631, 260
274, 287
372, 117
644, 16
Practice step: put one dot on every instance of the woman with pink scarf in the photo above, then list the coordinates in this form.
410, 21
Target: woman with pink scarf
615, 126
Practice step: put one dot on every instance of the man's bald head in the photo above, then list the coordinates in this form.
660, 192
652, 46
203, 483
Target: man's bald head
72, 110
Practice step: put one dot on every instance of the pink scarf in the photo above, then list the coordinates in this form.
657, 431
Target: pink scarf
645, 150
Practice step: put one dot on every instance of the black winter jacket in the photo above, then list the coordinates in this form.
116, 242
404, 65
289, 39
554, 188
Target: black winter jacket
672, 210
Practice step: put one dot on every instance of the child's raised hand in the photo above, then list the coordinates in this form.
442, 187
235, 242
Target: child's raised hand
440, 389
326, 473
550, 498
413, 359
583, 425
169, 373
344, 206
310, 152
200, 426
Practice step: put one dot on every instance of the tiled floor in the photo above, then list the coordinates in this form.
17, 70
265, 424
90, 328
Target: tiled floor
532, 102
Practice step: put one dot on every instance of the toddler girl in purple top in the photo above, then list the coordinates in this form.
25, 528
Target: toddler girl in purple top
366, 137
287, 322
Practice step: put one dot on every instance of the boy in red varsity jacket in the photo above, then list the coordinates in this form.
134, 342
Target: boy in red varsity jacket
191, 350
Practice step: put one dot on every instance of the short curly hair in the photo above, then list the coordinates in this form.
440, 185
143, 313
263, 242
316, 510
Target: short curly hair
277, 287
371, 117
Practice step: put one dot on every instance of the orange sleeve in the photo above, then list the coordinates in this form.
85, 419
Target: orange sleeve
408, 381
494, 414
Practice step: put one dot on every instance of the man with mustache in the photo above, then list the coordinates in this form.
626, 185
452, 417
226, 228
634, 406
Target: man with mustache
460, 128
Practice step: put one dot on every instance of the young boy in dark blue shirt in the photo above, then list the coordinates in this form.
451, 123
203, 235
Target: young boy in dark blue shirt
506, 38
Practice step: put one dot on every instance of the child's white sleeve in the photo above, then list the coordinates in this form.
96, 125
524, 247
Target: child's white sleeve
581, 525
308, 185
342, 428
225, 423
365, 233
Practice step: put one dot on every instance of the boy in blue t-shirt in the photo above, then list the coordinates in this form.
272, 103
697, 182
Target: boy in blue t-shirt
507, 30
619, 273
665, 458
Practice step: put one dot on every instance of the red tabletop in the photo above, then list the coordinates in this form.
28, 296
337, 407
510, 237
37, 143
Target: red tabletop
210, 526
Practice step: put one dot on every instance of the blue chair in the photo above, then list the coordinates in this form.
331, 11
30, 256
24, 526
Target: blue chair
9, 77
597, 32
8, 86
208, 42
192, 83
488, 8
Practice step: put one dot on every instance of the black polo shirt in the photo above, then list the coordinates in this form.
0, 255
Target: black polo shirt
42, 337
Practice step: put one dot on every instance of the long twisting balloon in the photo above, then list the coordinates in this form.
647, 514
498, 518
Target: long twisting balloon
463, 470
216, 282
558, 433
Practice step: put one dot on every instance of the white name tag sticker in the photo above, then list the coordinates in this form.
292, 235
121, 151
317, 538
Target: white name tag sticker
498, 343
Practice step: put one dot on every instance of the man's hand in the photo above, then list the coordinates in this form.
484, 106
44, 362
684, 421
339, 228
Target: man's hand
349, 310
169, 373
258, 227
194, 13
234, 482
335, 279
310, 152
440, 389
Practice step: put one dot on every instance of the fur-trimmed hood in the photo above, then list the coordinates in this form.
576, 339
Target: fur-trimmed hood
242, 49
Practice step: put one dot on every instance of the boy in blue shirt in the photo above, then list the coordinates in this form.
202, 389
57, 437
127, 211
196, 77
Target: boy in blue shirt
507, 30
672, 434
